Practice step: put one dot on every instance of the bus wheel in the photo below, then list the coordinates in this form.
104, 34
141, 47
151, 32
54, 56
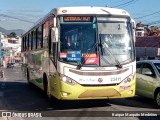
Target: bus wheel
48, 92
46, 86
158, 98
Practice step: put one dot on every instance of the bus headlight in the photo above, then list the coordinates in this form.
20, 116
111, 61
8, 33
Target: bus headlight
128, 79
68, 80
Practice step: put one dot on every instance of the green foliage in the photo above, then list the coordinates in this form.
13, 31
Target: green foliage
12, 34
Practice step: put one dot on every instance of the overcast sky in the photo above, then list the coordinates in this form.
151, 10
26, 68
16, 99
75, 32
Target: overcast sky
22, 14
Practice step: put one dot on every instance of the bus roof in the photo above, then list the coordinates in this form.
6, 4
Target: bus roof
81, 10
90, 10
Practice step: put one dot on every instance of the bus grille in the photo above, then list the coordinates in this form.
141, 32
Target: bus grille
100, 93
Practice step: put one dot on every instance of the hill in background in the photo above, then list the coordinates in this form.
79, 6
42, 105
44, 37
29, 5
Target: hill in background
7, 32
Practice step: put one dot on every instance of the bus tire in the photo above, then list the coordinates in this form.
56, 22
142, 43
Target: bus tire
46, 87
51, 98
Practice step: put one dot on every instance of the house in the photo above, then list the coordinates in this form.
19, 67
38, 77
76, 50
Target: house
147, 47
11, 49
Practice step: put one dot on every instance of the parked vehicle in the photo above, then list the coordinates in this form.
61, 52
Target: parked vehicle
10, 65
148, 79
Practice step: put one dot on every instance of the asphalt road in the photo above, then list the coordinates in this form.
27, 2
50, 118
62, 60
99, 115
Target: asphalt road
21, 102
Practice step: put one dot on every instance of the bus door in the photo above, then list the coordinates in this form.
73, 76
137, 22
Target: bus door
52, 52
53, 61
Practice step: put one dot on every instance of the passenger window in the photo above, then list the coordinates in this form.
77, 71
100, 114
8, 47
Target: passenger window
148, 70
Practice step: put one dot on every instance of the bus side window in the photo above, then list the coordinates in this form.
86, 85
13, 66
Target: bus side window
37, 40
34, 40
42, 36
45, 34
30, 41
23, 39
25, 43
49, 41
39, 37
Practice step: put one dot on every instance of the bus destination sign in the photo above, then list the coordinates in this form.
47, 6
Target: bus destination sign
78, 18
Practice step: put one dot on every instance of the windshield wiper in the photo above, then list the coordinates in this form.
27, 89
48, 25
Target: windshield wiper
80, 64
110, 53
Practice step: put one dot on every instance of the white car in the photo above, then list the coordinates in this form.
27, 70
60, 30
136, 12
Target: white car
148, 79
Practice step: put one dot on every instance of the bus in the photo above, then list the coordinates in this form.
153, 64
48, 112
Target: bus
77, 53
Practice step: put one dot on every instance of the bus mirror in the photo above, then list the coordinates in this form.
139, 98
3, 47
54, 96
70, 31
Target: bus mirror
133, 29
54, 34
133, 24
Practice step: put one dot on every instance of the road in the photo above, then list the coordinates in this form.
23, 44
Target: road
23, 103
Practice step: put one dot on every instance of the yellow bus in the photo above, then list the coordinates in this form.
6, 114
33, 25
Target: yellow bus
76, 53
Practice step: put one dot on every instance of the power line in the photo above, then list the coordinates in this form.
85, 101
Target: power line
155, 22
3, 15
131, 1
147, 15
150, 18
128, 4
117, 2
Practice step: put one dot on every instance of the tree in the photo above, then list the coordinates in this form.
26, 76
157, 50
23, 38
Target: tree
12, 34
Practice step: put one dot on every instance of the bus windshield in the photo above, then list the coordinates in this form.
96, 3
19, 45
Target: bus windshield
76, 42
116, 39
78, 39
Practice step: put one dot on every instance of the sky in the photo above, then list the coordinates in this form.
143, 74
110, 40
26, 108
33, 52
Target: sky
22, 14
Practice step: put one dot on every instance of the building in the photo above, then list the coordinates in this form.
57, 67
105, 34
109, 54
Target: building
140, 31
11, 49
147, 47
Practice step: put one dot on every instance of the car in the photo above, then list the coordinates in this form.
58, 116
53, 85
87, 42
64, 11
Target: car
10, 65
148, 79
